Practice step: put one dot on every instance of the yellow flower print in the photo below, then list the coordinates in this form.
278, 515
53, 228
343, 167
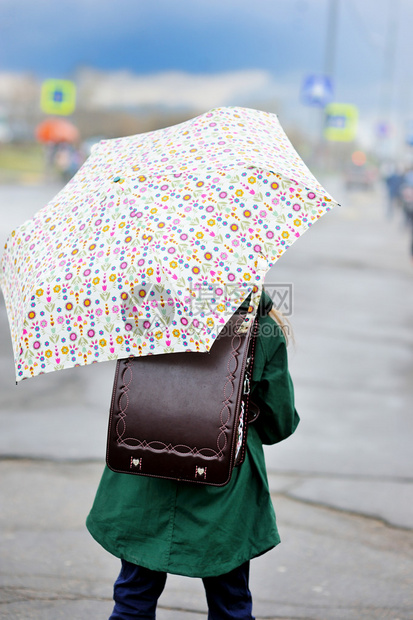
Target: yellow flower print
48, 353
176, 333
210, 323
57, 288
102, 342
239, 192
112, 277
96, 280
158, 335
119, 339
247, 276
122, 225
39, 292
105, 228
154, 210
252, 180
297, 222
65, 350
199, 235
285, 234
173, 264
165, 198
149, 271
220, 307
211, 222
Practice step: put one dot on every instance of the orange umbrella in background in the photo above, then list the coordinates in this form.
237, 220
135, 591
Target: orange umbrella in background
57, 130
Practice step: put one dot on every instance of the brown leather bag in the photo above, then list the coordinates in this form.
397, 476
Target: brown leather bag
184, 416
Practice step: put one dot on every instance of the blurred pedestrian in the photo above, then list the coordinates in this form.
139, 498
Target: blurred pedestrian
393, 180
159, 526
406, 196
67, 160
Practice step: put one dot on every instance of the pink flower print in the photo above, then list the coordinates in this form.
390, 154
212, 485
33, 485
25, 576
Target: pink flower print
111, 347
158, 274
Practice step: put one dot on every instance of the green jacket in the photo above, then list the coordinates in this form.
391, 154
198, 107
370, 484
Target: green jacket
198, 530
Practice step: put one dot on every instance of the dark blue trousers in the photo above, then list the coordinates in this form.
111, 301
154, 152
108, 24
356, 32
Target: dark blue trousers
137, 589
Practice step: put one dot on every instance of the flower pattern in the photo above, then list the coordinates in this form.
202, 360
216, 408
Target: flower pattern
156, 241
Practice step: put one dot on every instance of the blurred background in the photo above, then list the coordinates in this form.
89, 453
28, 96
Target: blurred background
337, 73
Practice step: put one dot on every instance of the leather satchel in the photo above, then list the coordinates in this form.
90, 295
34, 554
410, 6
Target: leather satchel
184, 416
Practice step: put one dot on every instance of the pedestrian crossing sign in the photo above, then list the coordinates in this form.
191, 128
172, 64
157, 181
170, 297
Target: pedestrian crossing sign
317, 90
340, 122
58, 97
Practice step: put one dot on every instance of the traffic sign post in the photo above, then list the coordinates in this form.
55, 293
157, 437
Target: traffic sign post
58, 97
340, 123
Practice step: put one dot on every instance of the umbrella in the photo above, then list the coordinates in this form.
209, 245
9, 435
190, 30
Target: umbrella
156, 241
56, 130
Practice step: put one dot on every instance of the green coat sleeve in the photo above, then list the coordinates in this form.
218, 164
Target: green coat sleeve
272, 388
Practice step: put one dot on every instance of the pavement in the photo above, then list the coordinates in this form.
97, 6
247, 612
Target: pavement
342, 486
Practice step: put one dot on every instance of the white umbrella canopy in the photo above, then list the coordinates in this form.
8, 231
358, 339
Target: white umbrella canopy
156, 241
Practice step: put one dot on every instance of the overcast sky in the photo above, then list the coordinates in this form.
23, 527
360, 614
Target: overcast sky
284, 37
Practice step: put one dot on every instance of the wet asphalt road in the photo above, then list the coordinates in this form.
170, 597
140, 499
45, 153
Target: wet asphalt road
343, 484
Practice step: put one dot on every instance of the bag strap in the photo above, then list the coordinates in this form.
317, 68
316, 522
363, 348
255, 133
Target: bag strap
246, 405
248, 373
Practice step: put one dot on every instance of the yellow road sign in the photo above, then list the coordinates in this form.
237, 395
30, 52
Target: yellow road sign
340, 122
58, 97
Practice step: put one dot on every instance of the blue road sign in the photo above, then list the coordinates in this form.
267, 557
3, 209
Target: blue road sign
317, 90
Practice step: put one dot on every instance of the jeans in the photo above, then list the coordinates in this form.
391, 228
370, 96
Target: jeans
137, 589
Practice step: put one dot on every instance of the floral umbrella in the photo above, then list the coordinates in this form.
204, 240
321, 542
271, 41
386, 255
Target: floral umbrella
156, 241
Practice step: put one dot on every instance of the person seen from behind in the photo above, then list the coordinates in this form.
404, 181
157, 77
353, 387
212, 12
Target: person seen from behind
160, 526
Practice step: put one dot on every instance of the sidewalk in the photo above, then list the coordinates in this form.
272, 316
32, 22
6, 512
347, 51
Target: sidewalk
342, 486
331, 565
